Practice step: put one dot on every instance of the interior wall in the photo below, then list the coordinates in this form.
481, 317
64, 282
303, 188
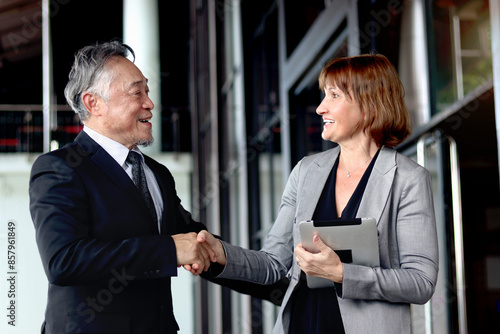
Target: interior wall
28, 293
23, 283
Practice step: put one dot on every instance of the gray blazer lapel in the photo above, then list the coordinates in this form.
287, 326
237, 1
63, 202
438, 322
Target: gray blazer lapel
314, 182
379, 185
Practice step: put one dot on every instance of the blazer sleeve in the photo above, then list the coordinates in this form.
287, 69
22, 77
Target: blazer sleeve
412, 279
66, 218
270, 264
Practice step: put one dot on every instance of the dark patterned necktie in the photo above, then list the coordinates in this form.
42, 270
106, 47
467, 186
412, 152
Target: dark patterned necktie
139, 179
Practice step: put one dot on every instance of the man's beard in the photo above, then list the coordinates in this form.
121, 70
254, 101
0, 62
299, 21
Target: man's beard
145, 142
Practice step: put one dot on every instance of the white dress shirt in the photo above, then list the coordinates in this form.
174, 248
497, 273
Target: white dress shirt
119, 152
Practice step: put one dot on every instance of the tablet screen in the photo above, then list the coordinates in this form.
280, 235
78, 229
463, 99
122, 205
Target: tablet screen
354, 240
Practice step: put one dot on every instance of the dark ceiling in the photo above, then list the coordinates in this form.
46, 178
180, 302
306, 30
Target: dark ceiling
73, 24
20, 30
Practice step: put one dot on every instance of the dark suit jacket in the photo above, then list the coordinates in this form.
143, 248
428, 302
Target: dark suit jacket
108, 268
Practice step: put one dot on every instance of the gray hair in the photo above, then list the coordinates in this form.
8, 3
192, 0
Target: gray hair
89, 73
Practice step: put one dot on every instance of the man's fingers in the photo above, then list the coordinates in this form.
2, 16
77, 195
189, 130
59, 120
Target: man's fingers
196, 250
190, 251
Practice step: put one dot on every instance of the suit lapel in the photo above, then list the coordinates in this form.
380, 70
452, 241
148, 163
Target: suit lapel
110, 167
379, 185
105, 162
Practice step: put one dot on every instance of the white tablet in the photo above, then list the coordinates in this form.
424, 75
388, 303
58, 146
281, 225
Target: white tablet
354, 240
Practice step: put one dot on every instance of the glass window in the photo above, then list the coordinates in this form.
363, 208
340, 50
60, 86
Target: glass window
305, 124
461, 56
300, 16
20, 92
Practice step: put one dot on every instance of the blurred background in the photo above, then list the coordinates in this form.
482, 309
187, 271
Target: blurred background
235, 88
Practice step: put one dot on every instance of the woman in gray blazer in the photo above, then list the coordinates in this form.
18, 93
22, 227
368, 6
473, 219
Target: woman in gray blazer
363, 111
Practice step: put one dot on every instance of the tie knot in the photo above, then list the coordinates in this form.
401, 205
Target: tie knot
134, 158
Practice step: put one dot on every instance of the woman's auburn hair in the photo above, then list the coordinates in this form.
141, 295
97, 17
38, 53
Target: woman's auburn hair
372, 81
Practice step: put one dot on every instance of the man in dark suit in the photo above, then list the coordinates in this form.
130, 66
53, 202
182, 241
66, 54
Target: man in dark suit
107, 250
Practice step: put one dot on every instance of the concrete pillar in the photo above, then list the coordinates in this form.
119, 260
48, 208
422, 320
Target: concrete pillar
141, 32
413, 64
495, 49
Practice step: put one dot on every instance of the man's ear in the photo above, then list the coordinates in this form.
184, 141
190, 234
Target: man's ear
91, 102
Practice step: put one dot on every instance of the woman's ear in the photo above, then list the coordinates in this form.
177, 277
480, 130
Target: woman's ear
368, 118
369, 115
91, 102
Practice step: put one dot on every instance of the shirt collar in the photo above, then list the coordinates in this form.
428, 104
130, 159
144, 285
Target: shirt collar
116, 150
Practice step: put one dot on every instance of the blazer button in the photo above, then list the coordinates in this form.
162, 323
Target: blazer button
158, 272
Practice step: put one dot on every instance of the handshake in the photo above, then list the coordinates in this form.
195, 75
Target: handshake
195, 252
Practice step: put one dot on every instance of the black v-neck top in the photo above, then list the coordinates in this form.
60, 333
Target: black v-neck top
317, 310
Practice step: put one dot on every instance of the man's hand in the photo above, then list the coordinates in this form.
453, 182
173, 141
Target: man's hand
195, 256
326, 263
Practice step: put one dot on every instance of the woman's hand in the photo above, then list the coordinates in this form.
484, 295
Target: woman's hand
194, 255
326, 263
208, 239
216, 252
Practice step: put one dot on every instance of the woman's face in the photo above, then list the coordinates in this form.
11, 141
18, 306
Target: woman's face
342, 116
